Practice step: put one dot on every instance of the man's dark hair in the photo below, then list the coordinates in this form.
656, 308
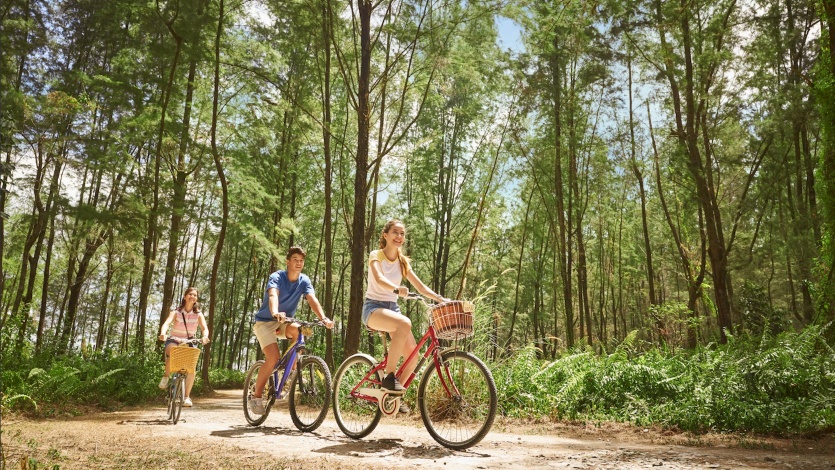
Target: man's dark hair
296, 250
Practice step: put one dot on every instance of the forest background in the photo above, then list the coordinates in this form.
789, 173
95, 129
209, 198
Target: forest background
639, 196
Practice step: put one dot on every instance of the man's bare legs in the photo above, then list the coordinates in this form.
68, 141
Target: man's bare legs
271, 356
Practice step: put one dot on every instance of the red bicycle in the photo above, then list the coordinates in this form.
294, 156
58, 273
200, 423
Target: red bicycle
456, 395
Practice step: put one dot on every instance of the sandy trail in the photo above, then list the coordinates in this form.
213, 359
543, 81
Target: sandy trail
214, 434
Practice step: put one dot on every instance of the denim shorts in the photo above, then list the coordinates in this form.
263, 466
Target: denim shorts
173, 341
371, 305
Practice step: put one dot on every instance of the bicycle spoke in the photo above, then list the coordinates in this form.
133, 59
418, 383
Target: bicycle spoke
356, 417
461, 419
310, 394
268, 395
179, 396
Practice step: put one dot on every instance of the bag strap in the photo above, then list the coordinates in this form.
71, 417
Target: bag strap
185, 323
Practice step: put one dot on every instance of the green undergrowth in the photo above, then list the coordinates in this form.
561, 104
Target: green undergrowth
780, 385
47, 385
783, 384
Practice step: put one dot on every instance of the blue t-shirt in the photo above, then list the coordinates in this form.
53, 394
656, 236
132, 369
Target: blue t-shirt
289, 294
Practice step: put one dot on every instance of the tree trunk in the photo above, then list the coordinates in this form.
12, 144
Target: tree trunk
360, 182
178, 201
827, 159
39, 340
519, 270
207, 350
327, 17
123, 345
562, 246
481, 204
101, 337
92, 244
686, 121
149, 246
694, 278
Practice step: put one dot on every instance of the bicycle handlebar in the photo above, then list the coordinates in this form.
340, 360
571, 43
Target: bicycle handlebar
194, 341
417, 296
304, 323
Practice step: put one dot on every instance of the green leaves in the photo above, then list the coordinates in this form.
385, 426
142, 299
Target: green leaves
782, 385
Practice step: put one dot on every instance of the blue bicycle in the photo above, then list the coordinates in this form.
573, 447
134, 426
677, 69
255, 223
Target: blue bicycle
308, 391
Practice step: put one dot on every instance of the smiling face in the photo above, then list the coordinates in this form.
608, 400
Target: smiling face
189, 298
396, 235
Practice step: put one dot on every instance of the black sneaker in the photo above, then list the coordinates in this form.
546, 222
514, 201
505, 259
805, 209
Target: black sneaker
391, 384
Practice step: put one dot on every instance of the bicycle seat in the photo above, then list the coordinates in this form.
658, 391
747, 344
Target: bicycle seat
372, 330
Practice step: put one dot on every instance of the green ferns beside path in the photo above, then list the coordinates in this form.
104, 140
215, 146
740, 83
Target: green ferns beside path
784, 384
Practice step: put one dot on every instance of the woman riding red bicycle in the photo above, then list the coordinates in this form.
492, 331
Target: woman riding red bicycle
387, 267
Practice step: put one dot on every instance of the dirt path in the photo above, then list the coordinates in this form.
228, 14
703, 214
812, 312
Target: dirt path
214, 434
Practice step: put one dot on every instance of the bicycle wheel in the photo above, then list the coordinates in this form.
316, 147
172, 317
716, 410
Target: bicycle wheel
169, 396
310, 393
179, 396
356, 417
457, 420
268, 395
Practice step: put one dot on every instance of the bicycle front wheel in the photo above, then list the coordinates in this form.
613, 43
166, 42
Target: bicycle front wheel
310, 393
355, 416
252, 417
457, 400
169, 397
179, 396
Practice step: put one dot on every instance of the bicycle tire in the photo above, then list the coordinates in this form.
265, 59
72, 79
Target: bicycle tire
356, 417
268, 395
169, 397
179, 396
310, 393
459, 421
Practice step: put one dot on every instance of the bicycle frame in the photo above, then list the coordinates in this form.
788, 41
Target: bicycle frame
287, 360
433, 349
456, 394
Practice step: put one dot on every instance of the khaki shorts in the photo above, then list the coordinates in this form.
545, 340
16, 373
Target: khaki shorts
266, 332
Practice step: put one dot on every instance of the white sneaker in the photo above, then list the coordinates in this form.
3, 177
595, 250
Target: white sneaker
187, 402
256, 405
163, 384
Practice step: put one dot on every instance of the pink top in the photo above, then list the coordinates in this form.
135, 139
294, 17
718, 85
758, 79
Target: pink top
178, 328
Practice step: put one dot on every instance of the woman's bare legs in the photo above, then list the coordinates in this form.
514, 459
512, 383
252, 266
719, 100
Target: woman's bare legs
189, 384
167, 359
399, 327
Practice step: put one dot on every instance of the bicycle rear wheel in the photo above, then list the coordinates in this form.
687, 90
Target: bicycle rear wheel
310, 393
356, 417
268, 396
179, 396
457, 420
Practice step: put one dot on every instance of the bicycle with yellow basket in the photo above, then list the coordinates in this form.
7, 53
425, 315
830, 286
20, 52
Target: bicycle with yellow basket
182, 361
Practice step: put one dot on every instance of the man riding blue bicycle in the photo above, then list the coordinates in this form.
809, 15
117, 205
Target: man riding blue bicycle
282, 294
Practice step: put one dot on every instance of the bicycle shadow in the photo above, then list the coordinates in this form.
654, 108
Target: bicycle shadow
385, 447
148, 422
244, 431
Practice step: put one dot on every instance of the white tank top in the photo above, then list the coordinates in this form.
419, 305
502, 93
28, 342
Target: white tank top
391, 271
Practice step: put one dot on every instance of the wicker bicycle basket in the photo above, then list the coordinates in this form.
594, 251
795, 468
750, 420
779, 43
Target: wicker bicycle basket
183, 357
452, 320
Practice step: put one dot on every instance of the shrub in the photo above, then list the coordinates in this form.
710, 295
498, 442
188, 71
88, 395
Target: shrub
781, 384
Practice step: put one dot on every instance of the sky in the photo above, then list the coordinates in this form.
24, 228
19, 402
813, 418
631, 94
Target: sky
510, 34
